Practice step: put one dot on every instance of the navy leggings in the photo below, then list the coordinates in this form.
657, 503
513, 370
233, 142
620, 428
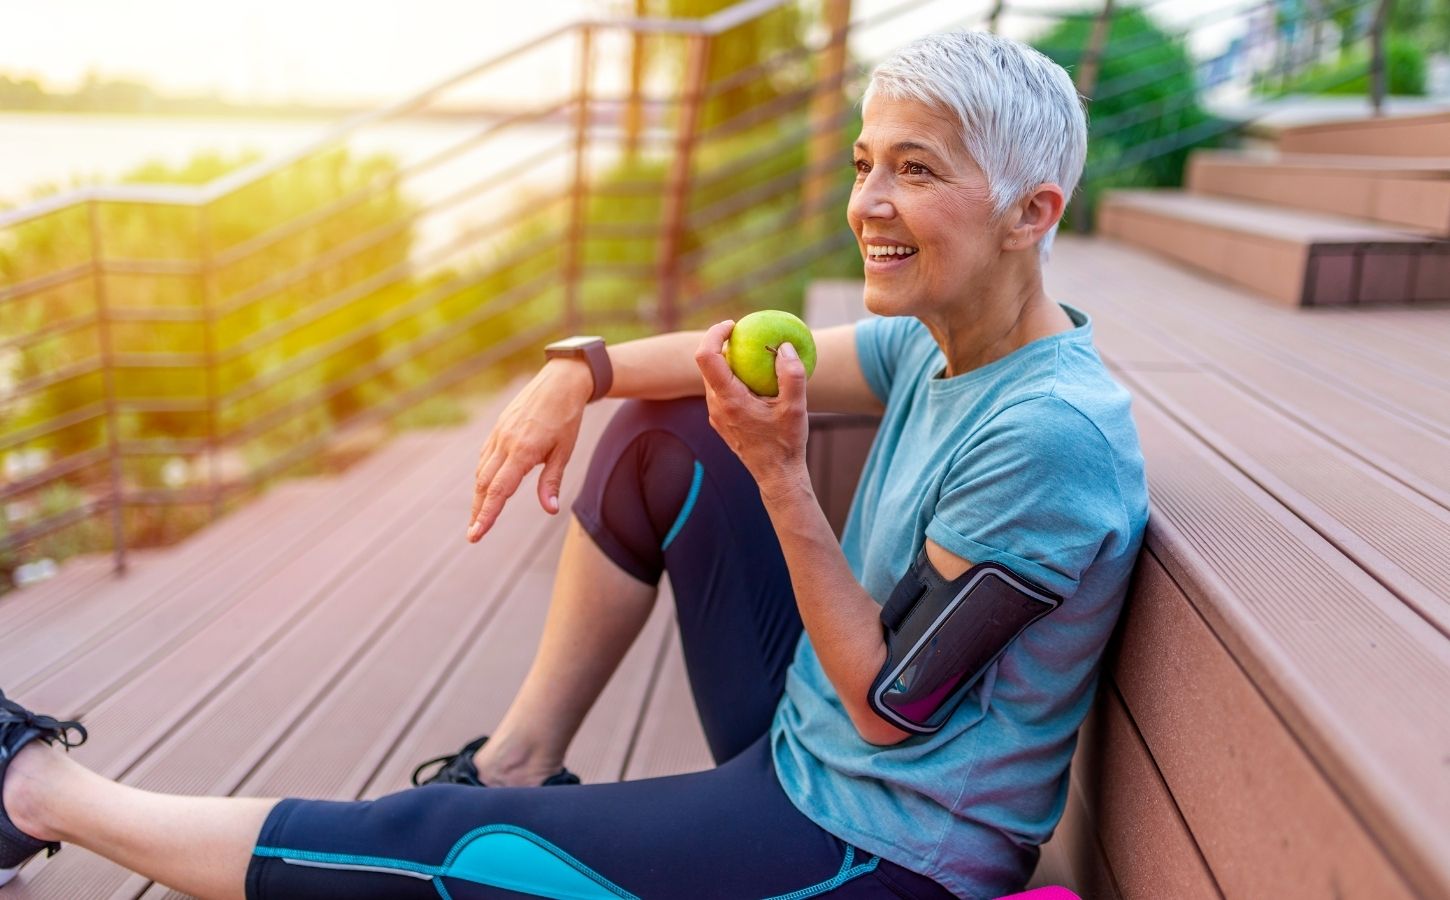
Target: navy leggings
663, 493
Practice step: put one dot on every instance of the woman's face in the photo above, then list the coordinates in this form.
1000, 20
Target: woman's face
921, 210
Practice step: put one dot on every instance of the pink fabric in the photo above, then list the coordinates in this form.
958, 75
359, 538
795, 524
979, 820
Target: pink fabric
1052, 892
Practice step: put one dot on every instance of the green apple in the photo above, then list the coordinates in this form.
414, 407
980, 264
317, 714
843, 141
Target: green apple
753, 342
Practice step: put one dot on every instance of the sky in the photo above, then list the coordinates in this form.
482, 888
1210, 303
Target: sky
267, 50
315, 50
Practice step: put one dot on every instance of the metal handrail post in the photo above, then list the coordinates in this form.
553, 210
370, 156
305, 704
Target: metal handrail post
117, 499
995, 15
1092, 57
1377, 57
210, 295
678, 188
1087, 82
574, 250
827, 102
634, 112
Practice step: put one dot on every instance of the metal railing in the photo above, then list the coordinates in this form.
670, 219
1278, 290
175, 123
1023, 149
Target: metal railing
173, 348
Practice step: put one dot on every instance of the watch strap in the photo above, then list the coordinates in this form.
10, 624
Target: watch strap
597, 355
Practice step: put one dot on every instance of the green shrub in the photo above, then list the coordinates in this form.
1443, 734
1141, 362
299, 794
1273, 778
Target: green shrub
1144, 116
1405, 73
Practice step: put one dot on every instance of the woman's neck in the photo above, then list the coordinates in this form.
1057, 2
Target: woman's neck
993, 323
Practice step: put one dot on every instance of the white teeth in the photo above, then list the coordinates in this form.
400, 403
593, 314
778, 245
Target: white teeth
888, 250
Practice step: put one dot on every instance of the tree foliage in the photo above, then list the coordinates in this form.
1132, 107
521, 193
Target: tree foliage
1144, 115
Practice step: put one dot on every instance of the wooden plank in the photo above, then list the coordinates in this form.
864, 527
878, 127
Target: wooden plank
457, 710
345, 738
1347, 667
1422, 135
169, 600
84, 576
97, 592
670, 740
77, 576
1076, 834
1293, 257
1423, 398
1409, 193
1124, 292
220, 742
1137, 823
1265, 816
1273, 268
145, 710
1392, 532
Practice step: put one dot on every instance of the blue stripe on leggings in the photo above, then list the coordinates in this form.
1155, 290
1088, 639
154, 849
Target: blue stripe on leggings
846, 873
687, 508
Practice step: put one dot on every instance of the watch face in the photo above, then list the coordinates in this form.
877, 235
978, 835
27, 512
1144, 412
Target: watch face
574, 343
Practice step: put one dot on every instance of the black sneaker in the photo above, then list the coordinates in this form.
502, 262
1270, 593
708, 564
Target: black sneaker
18, 727
458, 768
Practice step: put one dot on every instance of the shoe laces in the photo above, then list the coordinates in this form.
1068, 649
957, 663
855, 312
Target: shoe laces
446, 759
15, 718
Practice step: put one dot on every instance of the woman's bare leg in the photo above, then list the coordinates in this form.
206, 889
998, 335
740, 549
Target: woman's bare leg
198, 845
596, 612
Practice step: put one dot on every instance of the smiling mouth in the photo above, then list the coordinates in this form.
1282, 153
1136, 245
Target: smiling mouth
888, 252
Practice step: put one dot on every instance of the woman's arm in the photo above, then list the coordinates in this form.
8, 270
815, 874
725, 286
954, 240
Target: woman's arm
769, 436
838, 384
541, 424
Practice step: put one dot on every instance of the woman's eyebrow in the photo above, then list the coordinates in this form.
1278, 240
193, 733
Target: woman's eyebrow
905, 147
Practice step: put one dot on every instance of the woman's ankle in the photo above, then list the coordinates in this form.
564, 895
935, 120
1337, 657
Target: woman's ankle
33, 770
512, 762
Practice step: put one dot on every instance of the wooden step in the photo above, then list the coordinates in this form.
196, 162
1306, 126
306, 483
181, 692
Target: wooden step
1291, 257
1403, 192
1424, 135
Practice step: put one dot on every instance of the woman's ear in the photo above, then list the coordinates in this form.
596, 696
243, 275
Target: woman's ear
1036, 215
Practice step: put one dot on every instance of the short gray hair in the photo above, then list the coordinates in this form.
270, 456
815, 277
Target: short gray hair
1022, 119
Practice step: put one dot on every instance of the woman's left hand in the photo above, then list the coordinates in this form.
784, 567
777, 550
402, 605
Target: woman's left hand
767, 433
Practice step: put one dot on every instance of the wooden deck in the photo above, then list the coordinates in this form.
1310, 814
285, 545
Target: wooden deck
1275, 720
1277, 710
322, 642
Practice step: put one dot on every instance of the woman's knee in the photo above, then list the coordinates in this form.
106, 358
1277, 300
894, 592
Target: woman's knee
640, 478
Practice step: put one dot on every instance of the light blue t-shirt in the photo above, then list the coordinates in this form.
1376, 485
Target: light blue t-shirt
1031, 461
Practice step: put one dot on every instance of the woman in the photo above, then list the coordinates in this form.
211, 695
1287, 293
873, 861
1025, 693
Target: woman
1003, 441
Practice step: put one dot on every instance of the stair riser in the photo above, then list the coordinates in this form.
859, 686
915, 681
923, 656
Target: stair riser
1410, 136
1419, 203
1290, 273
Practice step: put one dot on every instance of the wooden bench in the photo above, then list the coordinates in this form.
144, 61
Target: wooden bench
1274, 712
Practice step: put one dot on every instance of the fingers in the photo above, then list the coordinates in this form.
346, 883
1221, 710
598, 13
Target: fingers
552, 478
790, 372
709, 356
491, 495
488, 466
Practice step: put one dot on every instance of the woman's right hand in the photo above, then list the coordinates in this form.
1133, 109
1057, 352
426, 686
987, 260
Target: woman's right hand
540, 425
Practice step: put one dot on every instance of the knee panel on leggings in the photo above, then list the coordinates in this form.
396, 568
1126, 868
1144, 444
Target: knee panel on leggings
646, 495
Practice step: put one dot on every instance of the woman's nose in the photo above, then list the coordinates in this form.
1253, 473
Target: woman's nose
872, 199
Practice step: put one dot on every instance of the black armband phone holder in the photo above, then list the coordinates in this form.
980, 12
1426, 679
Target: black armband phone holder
942, 635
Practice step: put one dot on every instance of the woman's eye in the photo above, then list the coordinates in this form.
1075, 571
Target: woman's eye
912, 168
861, 166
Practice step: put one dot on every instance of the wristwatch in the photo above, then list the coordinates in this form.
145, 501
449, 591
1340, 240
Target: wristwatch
589, 348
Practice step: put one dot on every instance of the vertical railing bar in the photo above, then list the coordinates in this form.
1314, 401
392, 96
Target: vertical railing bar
678, 186
108, 379
210, 296
1087, 75
1087, 82
634, 112
995, 15
575, 248
1377, 57
827, 103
